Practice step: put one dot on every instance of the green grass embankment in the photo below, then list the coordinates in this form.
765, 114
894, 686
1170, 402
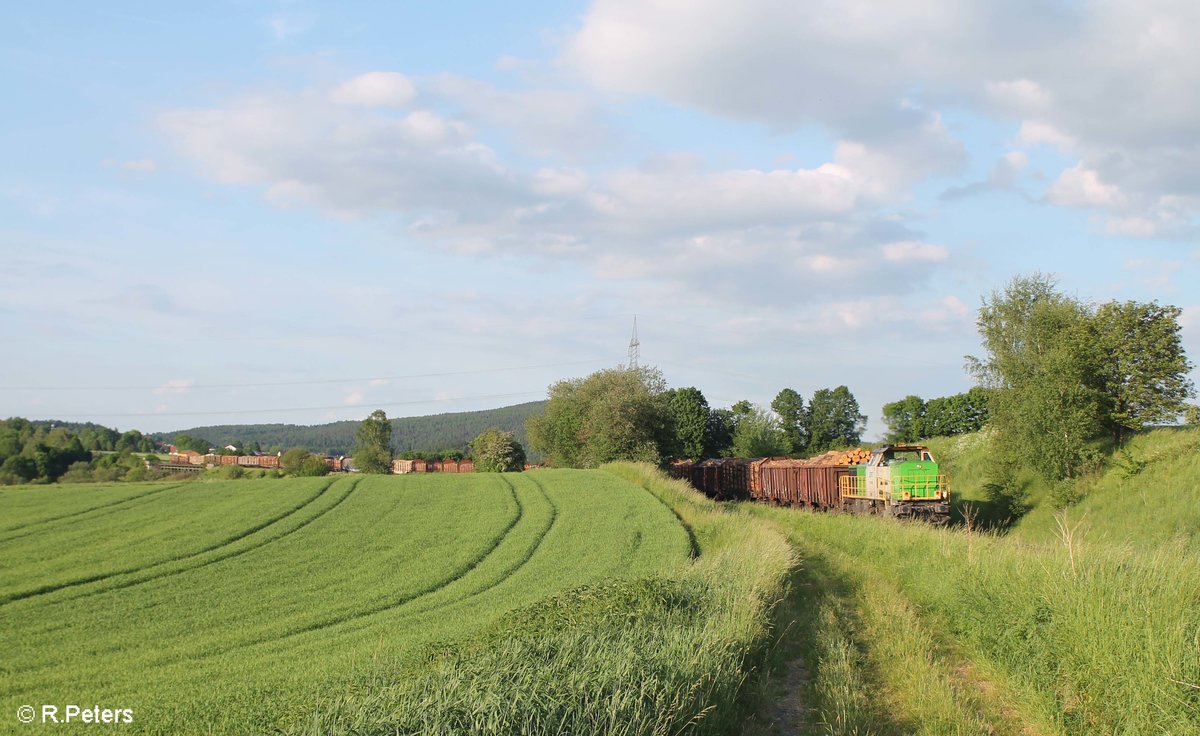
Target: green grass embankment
1083, 621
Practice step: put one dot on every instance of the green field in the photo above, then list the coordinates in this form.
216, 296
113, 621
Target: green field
239, 606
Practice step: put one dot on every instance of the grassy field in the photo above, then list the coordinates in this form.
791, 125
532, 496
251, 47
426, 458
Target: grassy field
548, 601
1083, 620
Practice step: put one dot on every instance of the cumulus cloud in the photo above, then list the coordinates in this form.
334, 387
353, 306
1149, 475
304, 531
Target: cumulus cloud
673, 218
376, 89
1113, 82
1081, 187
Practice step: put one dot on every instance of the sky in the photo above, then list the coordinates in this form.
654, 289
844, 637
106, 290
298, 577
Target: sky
299, 212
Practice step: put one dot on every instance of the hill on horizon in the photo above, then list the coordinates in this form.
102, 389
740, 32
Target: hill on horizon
433, 432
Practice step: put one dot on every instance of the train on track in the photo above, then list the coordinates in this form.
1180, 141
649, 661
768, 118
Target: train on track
901, 481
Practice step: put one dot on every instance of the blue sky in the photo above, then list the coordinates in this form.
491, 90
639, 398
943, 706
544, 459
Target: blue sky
299, 212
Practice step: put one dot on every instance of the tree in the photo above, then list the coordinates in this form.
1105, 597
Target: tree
958, 414
497, 451
1143, 367
614, 414
834, 419
313, 466
1042, 362
758, 435
905, 419
294, 462
793, 419
373, 444
129, 441
690, 420
718, 438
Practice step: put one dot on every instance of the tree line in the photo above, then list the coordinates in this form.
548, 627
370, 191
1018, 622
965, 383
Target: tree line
631, 414
912, 418
44, 452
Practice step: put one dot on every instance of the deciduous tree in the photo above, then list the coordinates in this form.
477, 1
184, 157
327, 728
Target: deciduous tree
690, 421
834, 419
373, 444
497, 451
615, 414
793, 419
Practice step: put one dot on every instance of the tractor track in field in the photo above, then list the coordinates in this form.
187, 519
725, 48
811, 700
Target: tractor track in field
694, 550
225, 556
459, 574
106, 508
47, 589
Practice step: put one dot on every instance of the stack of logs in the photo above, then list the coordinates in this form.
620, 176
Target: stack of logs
841, 457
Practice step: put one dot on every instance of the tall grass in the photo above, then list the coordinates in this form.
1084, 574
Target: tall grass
1067, 638
654, 655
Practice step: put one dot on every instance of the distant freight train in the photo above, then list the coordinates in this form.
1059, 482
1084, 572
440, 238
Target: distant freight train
902, 481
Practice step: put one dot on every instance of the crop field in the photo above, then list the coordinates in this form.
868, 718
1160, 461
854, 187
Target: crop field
239, 606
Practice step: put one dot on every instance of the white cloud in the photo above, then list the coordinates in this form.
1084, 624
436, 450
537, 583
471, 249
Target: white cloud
1020, 96
915, 251
566, 180
673, 218
1034, 133
354, 398
376, 89
1082, 187
1112, 82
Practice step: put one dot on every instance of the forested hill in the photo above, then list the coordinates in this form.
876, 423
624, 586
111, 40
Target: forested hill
431, 433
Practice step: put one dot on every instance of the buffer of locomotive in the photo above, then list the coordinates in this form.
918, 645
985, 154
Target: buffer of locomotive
903, 481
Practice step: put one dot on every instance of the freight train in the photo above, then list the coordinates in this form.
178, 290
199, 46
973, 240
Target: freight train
901, 481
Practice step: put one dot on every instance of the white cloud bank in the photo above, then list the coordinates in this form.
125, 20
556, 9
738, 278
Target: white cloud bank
1112, 81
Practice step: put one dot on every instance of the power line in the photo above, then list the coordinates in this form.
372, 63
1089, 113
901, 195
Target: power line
296, 383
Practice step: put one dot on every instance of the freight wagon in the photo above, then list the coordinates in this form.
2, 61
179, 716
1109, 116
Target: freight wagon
903, 481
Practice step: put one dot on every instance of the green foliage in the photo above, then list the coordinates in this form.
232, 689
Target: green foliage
1143, 368
299, 462
187, 442
793, 419
373, 444
758, 435
913, 418
905, 419
947, 416
1191, 415
718, 438
690, 417
1065, 376
497, 451
614, 414
834, 420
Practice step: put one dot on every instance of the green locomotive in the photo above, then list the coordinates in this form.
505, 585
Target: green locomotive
903, 481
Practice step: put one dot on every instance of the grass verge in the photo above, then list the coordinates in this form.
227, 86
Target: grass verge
917, 630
